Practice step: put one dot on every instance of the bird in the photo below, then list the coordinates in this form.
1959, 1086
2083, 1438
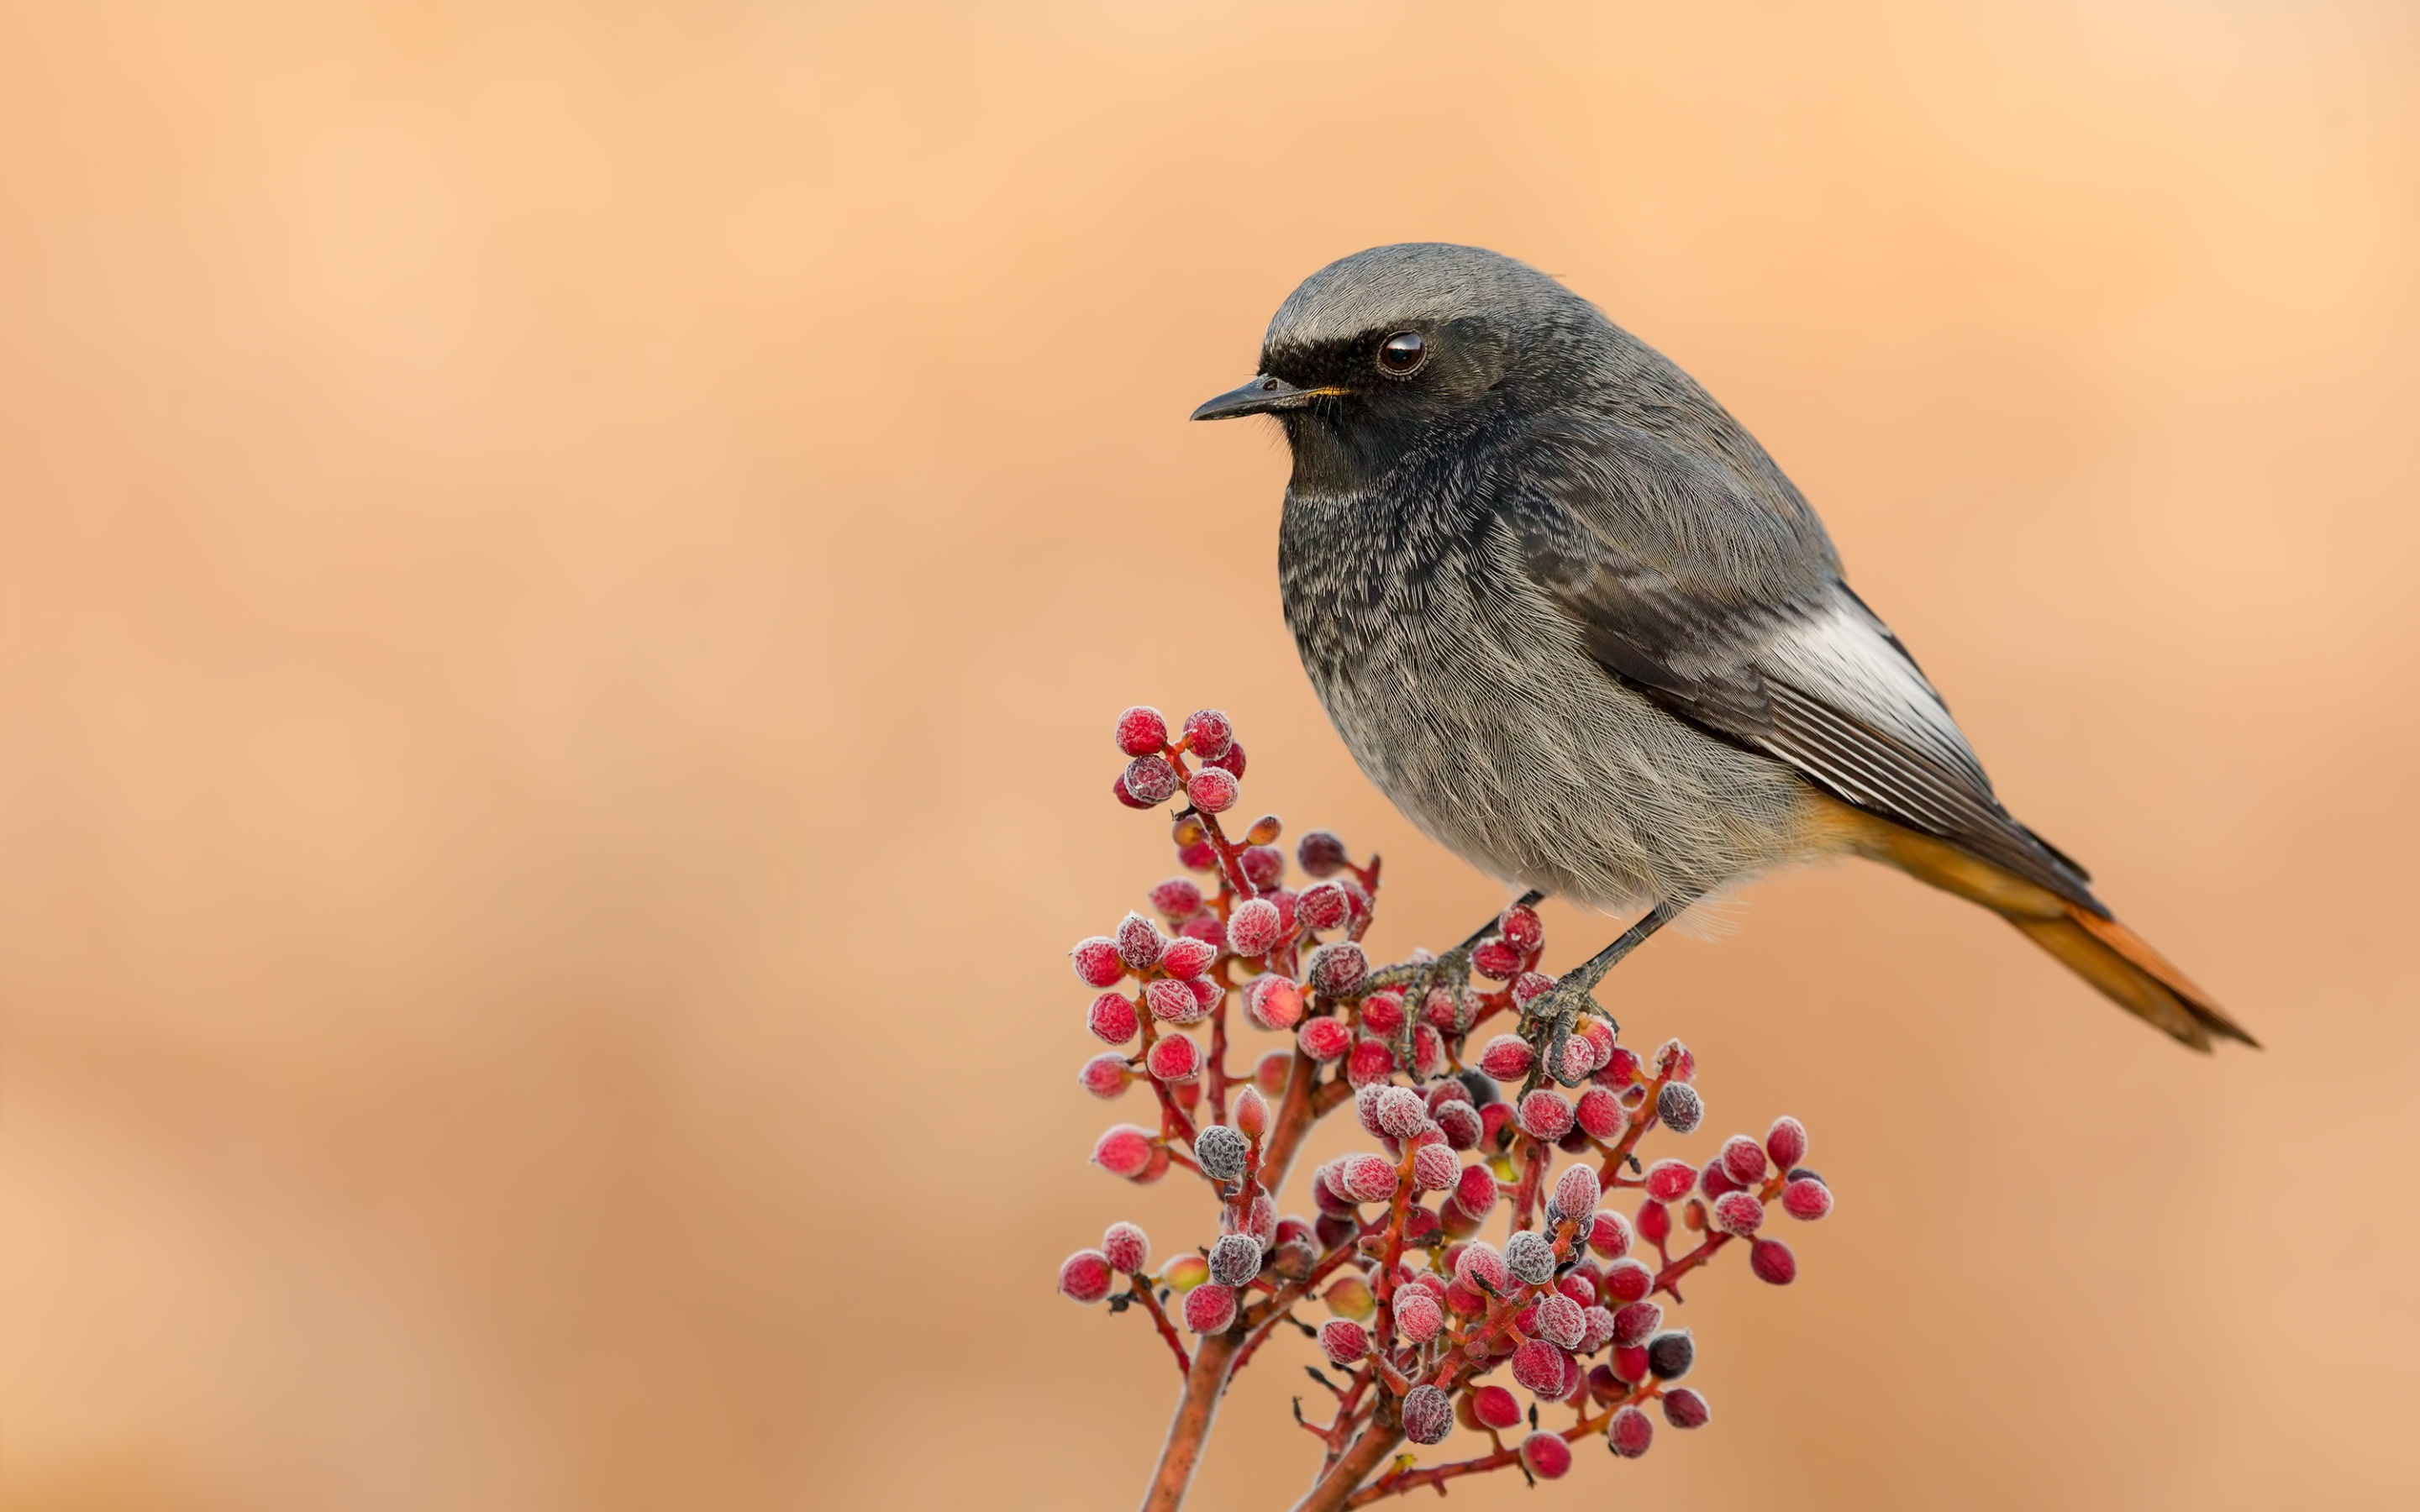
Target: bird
1579, 627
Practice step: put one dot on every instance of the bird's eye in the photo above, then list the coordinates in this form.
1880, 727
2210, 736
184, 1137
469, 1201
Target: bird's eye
1403, 353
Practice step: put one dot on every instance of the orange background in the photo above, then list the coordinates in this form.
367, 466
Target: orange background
565, 574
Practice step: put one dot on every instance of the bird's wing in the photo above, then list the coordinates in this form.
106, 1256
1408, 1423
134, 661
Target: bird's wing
1719, 597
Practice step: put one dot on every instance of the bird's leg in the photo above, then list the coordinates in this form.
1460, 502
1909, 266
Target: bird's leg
1548, 1021
1450, 971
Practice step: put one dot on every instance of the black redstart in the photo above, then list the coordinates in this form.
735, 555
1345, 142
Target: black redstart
1577, 625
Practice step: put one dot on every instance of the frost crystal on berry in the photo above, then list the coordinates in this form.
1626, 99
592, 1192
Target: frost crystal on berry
1105, 1075
1460, 1123
1609, 1235
1530, 1256
1150, 781
1433, 1167
1372, 1063
1360, 1178
1630, 1433
1680, 1108
1213, 790
1125, 1248
1743, 1159
1141, 730
1251, 1113
1124, 1149
1428, 1415
1636, 1322
1187, 957
1738, 1213
1474, 1192
1418, 1315
1234, 1260
1806, 1199
1264, 866
1507, 1058
1562, 1322
1139, 942
1343, 1341
1112, 1018
1479, 1265
1220, 1151
1576, 1192
1382, 1013
1538, 1365
1336, 969
1402, 1112
1209, 1308
1085, 1276
1096, 962
1786, 1141
1324, 1039
1172, 1002
1174, 1058
1208, 734
1686, 1408
1547, 1455
1602, 1114
1546, 1115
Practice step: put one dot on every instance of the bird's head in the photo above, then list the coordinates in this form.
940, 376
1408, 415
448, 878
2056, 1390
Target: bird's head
1377, 351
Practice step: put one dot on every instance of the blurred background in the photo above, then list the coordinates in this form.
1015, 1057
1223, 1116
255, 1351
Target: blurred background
564, 573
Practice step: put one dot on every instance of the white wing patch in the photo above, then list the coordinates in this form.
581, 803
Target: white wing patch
1847, 660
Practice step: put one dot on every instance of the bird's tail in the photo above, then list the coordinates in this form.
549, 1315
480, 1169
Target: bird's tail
2102, 951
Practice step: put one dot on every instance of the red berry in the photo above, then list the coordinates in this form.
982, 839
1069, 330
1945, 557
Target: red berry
1343, 1341
1198, 855
1599, 1034
1213, 790
1622, 1070
1172, 1002
1786, 1141
1630, 1365
1447, 1012
1427, 1414
1519, 928
1156, 1168
1604, 1387
1251, 1114
1547, 1455
1112, 1018
1545, 1113
1271, 1074
1142, 731
1264, 866
1475, 1191
1360, 1178
1495, 961
1680, 1108
1560, 1321
1273, 1002
1118, 791
1635, 1323
1529, 986
1253, 928
1460, 1122
1336, 969
1576, 1192
1372, 1062
1320, 854
1125, 1248
1232, 761
1124, 1149
1496, 1408
1208, 734
1187, 957
1105, 1076
1655, 1222
1236, 1259
1176, 898
1630, 1433
1738, 1213
1772, 1261
1715, 1179
1321, 906
1481, 1266
1628, 1281
1139, 942
1600, 1330
1085, 1276
1744, 1158
1602, 1114
1418, 1315
1402, 1112
1609, 1235
1538, 1368
1174, 1058
1150, 781
1492, 1120
1096, 962
1507, 1058
1465, 1299
1324, 1038
1686, 1408
1382, 1013
1209, 1308
1806, 1199
1674, 1063
1579, 1058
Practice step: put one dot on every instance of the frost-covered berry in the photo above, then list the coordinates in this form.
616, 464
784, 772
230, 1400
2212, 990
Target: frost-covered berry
1599, 1332
1530, 1257
1806, 1199
1234, 1260
1630, 1433
1323, 907
1365, 1109
1085, 1276
1529, 986
1737, 1213
1209, 1308
1141, 730
1187, 957
1320, 854
1361, 1179
1349, 1296
1475, 1191
1213, 790
1253, 928
1786, 1141
1433, 1167
1220, 1152
1655, 1222
1402, 1112
1628, 1280
1609, 1235
1599, 1036
1576, 1192
1150, 781
1428, 1051
1670, 1355
1174, 1058
1125, 1248
1674, 1062
1251, 1113
1562, 1322
1096, 962
1418, 1315
1547, 1455
1493, 1121
1772, 1261
1204, 926
1124, 1149
1460, 1123
1264, 866
1372, 1062
1273, 1002
1743, 1159
1382, 1013
1495, 961
1112, 1018
1262, 1222
1602, 1114
1519, 927
1479, 1265
1105, 1076
1538, 1366
1507, 1058
1343, 1341
1336, 969
1545, 1115
1324, 1038
1139, 942
1686, 1408
1427, 1413
1193, 854
1680, 1108
1636, 1322
1176, 898
1172, 1002
1232, 761
1621, 1068
1207, 733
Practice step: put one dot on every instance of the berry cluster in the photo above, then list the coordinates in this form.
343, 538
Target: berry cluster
1425, 1313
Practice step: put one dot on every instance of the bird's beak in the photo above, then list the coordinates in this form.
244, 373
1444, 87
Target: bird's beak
1263, 396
